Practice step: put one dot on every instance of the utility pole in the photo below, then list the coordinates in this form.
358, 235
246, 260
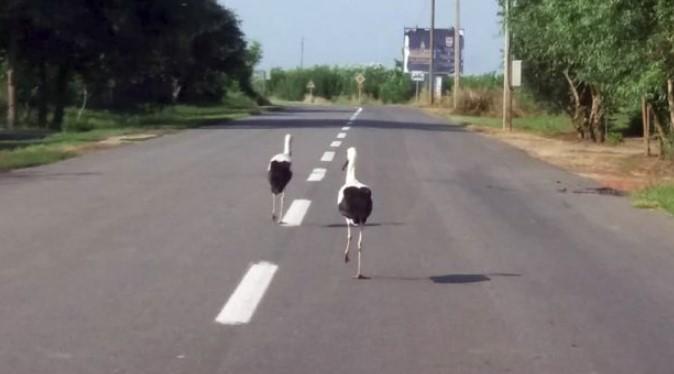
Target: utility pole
432, 46
507, 70
11, 78
457, 53
302, 54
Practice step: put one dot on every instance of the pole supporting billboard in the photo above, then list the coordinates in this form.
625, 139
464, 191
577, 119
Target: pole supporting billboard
432, 50
457, 53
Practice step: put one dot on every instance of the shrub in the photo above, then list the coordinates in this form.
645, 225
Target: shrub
478, 102
614, 138
397, 89
81, 125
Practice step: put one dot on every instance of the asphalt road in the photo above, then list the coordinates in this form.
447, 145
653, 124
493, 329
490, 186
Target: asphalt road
482, 259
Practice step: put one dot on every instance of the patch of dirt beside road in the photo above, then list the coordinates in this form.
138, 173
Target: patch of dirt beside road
114, 141
623, 167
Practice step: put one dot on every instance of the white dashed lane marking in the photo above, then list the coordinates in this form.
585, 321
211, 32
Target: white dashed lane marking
317, 175
295, 214
242, 304
341, 135
328, 156
336, 144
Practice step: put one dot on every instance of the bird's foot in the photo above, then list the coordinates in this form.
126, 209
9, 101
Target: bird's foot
346, 258
360, 276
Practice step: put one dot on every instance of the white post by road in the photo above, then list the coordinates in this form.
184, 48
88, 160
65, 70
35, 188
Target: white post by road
507, 66
417, 95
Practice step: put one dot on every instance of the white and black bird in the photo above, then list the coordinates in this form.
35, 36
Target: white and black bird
355, 204
279, 174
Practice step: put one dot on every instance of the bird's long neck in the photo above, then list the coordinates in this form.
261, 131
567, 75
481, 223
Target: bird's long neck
351, 171
286, 147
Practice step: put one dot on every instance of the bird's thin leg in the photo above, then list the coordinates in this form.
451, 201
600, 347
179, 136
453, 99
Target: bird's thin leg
359, 275
348, 241
280, 220
273, 208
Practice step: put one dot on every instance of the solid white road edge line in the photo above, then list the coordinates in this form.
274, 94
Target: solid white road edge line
328, 156
295, 214
242, 304
317, 175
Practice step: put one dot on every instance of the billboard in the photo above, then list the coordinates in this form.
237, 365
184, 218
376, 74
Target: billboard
417, 52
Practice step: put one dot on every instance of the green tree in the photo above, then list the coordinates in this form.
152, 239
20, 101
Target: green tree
126, 53
609, 54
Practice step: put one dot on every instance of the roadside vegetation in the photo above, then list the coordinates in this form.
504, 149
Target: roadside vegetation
608, 65
656, 197
32, 147
597, 61
82, 72
596, 71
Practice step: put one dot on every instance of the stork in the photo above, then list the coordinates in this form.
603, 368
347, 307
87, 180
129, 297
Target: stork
355, 204
279, 174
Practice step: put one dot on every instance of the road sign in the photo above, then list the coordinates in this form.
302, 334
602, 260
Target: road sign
516, 74
418, 76
360, 79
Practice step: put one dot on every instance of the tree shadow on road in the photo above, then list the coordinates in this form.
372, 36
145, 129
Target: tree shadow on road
291, 118
20, 176
279, 122
293, 109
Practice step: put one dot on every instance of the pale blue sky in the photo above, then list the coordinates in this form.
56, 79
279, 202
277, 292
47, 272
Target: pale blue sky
347, 32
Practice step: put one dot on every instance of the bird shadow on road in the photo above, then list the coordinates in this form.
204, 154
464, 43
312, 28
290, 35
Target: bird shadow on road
373, 224
448, 278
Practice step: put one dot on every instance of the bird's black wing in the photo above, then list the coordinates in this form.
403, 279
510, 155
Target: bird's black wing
356, 204
279, 175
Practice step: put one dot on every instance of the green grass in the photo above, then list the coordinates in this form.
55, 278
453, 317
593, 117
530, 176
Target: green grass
548, 125
40, 148
177, 117
32, 156
655, 197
